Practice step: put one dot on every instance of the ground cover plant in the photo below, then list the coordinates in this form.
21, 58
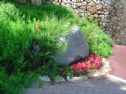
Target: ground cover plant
83, 66
29, 36
87, 65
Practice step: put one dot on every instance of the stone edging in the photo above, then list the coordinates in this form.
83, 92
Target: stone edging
102, 72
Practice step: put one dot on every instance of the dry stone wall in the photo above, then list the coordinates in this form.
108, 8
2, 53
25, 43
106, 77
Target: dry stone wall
117, 21
110, 14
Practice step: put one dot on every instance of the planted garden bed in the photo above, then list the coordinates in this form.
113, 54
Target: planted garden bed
29, 37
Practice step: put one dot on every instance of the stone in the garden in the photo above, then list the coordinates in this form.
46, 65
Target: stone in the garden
44, 78
77, 47
59, 79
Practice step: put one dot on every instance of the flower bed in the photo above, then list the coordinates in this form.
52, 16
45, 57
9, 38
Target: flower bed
88, 65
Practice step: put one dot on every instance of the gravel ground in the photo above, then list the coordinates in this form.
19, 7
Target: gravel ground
99, 85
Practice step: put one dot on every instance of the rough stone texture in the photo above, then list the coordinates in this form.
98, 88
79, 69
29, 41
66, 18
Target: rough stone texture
92, 9
77, 48
110, 14
59, 79
44, 78
117, 21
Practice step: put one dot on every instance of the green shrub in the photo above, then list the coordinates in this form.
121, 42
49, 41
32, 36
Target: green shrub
98, 41
17, 49
8, 11
14, 39
45, 41
29, 35
16, 82
46, 10
26, 47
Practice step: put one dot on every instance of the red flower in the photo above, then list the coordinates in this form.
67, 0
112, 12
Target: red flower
91, 62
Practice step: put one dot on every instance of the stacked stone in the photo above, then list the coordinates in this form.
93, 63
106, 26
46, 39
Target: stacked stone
117, 21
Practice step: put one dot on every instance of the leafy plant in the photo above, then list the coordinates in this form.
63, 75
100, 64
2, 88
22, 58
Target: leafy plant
16, 82
46, 10
29, 36
98, 41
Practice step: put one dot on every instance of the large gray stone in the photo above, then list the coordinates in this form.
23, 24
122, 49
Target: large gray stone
77, 47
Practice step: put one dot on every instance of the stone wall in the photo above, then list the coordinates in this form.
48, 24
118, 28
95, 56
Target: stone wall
109, 14
117, 21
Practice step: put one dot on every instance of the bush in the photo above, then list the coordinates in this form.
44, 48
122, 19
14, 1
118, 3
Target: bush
14, 39
16, 82
45, 41
27, 46
8, 11
98, 41
46, 10
29, 35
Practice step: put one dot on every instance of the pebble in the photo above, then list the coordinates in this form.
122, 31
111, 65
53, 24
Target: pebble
44, 78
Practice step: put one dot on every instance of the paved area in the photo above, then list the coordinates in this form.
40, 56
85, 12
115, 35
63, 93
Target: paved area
118, 61
101, 85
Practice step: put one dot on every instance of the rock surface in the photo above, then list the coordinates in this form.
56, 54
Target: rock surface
77, 48
59, 79
44, 78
